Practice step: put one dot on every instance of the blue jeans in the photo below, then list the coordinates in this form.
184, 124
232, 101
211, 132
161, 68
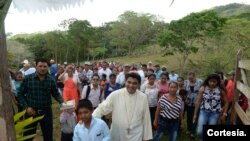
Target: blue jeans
206, 118
170, 125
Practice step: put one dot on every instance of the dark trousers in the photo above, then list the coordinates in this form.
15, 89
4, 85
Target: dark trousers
46, 125
190, 125
152, 115
66, 136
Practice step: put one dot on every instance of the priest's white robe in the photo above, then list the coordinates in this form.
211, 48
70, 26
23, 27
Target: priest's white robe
130, 115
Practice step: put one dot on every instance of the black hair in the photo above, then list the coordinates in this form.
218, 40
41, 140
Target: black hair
144, 65
212, 76
165, 74
133, 75
95, 74
183, 92
164, 69
221, 74
104, 75
43, 60
151, 70
151, 74
17, 73
180, 78
112, 75
84, 103
173, 82
191, 73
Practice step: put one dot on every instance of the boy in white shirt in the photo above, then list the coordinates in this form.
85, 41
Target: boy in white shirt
90, 128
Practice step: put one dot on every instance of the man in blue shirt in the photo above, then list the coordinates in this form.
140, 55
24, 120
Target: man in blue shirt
173, 76
158, 71
90, 128
53, 68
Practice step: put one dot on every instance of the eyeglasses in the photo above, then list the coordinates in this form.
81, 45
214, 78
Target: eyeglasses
95, 79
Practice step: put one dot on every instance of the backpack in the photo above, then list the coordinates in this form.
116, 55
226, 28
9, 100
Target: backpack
88, 91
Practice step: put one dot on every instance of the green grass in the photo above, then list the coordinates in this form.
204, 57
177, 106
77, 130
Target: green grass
155, 55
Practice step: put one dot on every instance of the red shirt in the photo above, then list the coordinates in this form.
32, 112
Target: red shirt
230, 90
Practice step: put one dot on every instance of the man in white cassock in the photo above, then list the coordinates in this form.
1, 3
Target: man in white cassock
130, 112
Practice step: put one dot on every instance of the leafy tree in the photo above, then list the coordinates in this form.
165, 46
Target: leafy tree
184, 36
132, 30
17, 52
81, 32
65, 23
55, 42
97, 52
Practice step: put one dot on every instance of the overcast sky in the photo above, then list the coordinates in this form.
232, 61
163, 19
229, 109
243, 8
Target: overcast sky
101, 11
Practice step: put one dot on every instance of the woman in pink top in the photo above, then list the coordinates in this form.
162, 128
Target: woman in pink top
163, 84
71, 84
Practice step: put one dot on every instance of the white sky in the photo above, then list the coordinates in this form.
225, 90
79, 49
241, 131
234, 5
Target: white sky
101, 11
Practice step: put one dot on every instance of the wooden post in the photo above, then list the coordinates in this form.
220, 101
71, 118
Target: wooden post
7, 130
236, 91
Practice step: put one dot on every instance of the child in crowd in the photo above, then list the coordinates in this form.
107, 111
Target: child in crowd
68, 123
17, 82
104, 80
90, 128
183, 94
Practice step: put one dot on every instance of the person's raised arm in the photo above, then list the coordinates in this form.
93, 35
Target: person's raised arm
62, 76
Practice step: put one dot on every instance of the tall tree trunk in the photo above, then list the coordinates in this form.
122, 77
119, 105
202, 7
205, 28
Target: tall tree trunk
129, 50
183, 62
7, 130
67, 54
77, 55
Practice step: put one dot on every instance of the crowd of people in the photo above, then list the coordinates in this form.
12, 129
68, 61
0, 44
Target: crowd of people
122, 102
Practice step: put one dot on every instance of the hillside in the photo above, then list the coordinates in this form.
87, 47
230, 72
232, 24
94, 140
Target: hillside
233, 9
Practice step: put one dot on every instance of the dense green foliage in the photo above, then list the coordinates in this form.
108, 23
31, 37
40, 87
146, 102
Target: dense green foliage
81, 41
186, 35
215, 37
233, 9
